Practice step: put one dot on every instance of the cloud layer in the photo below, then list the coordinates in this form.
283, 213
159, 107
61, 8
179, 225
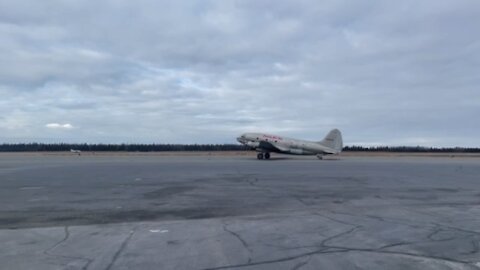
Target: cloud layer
203, 72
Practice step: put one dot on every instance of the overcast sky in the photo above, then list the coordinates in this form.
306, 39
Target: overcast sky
383, 72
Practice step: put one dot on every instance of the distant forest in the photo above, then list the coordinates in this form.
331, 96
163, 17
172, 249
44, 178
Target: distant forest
36, 147
33, 147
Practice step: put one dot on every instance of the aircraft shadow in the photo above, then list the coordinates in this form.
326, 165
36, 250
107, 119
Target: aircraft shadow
294, 158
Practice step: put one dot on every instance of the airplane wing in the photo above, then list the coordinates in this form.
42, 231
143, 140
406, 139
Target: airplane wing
272, 147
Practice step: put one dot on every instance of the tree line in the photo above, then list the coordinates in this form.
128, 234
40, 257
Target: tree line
56, 147
35, 147
419, 149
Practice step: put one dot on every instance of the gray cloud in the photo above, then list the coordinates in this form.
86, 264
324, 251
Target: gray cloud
203, 72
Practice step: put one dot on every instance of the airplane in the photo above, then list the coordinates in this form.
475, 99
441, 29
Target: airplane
75, 151
266, 144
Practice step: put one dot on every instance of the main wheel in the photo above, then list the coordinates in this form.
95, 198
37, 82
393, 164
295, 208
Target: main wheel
320, 156
267, 155
260, 156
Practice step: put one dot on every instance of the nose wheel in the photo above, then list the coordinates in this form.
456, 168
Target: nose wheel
263, 155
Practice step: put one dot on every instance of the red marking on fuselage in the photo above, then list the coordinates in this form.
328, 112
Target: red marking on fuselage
272, 137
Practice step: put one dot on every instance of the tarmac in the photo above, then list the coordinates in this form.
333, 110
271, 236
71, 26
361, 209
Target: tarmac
236, 212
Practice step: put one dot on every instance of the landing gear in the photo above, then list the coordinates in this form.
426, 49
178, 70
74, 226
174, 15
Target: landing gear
320, 157
263, 155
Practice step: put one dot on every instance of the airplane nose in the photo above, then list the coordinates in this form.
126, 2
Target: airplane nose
240, 140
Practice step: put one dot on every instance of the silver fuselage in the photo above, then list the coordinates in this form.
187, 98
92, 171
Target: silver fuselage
272, 143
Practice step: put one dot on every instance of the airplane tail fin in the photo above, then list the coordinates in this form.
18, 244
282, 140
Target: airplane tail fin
333, 140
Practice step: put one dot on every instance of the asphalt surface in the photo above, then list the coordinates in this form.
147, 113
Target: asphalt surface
236, 212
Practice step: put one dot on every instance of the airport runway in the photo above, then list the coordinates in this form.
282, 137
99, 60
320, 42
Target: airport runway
236, 212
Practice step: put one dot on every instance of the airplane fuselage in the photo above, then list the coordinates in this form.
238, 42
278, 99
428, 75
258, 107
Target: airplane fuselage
266, 143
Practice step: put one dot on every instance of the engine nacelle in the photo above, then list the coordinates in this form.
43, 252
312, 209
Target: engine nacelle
253, 144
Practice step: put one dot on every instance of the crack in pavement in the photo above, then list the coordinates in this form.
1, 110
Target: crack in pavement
284, 259
252, 182
343, 250
438, 228
359, 226
381, 251
382, 219
325, 248
434, 233
304, 203
398, 244
119, 251
456, 228
475, 248
302, 264
336, 220
66, 236
321, 250
249, 178
244, 243
408, 254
